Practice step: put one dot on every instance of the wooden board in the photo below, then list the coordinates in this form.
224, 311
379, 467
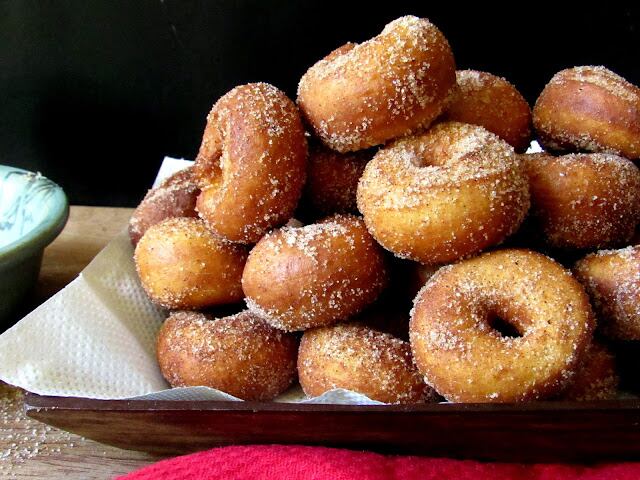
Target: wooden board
543, 431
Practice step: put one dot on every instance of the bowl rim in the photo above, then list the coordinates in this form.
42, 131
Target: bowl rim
42, 234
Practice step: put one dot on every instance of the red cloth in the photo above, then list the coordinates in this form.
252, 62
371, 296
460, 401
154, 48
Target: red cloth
271, 462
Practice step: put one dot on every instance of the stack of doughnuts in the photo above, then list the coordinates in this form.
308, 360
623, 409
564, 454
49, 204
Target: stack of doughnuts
435, 260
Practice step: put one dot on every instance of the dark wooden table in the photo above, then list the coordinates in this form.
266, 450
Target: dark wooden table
30, 449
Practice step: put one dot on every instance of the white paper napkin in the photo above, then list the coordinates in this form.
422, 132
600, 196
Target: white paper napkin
96, 337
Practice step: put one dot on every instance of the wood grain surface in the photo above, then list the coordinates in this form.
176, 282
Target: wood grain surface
28, 448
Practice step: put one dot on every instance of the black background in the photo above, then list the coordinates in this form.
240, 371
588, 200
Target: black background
94, 93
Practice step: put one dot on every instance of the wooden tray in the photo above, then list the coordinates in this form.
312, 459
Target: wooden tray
543, 431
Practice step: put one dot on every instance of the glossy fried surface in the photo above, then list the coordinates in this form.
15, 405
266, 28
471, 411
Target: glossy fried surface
181, 264
584, 200
589, 109
252, 162
316, 275
464, 353
361, 359
240, 355
365, 94
444, 194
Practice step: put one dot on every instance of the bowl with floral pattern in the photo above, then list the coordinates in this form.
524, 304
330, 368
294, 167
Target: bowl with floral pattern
33, 211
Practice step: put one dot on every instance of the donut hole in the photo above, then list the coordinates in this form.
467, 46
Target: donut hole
503, 327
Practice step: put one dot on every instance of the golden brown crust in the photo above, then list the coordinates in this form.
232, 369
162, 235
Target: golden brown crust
465, 359
445, 194
596, 379
298, 278
589, 109
394, 84
240, 355
357, 358
251, 164
612, 280
181, 264
174, 197
584, 200
332, 180
493, 103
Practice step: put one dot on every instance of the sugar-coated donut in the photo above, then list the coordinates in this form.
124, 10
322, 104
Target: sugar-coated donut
493, 103
174, 197
455, 328
316, 275
394, 84
596, 379
450, 192
358, 358
584, 200
589, 109
612, 280
240, 354
181, 264
332, 180
251, 164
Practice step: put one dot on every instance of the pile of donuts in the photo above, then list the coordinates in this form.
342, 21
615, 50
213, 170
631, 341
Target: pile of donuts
387, 234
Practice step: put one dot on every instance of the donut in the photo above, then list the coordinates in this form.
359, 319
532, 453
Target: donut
316, 275
182, 265
365, 94
493, 103
596, 379
332, 180
445, 194
174, 197
240, 354
251, 164
612, 280
506, 326
589, 109
360, 359
584, 200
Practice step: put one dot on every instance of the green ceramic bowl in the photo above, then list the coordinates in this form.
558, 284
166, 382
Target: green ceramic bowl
33, 211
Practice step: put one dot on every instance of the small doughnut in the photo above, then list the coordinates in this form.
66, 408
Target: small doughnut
181, 264
507, 326
251, 164
174, 197
360, 359
316, 275
332, 180
584, 200
493, 103
445, 194
612, 280
394, 84
240, 355
596, 379
590, 109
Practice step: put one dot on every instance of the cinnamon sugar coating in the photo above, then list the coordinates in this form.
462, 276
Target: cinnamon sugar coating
361, 359
445, 194
240, 354
612, 280
298, 278
365, 94
174, 197
466, 359
584, 200
332, 180
181, 264
493, 103
589, 109
596, 379
252, 162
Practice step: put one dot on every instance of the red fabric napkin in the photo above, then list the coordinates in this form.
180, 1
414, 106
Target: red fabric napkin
271, 462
